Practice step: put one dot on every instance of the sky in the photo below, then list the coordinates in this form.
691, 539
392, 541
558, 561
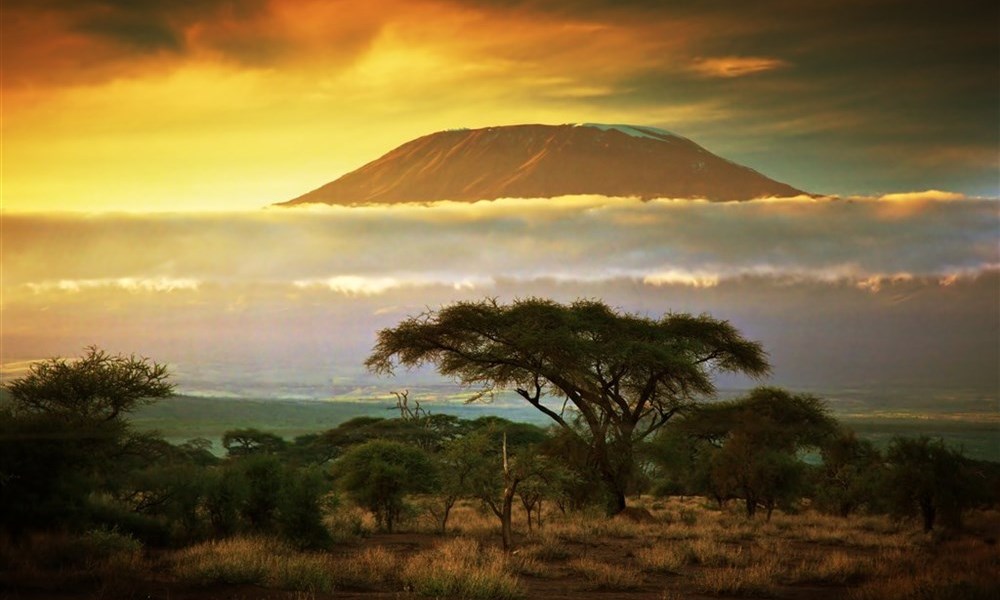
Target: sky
143, 140
160, 105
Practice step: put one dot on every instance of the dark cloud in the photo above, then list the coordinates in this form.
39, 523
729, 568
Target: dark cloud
870, 94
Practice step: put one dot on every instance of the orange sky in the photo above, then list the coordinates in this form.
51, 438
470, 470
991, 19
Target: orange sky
153, 105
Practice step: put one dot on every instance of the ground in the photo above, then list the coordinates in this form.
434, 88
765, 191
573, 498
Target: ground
687, 549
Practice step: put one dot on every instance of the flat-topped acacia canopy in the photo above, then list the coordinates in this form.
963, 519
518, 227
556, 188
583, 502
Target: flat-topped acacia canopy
626, 375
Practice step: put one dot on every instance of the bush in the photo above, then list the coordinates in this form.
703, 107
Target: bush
379, 474
926, 477
300, 513
265, 480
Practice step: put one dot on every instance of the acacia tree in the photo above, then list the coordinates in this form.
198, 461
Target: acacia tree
927, 477
758, 438
248, 442
64, 434
625, 375
97, 387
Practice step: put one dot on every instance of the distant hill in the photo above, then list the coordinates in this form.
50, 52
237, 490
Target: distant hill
545, 161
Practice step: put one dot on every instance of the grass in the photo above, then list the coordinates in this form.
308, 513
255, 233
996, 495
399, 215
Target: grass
606, 577
664, 558
754, 580
462, 568
255, 560
370, 568
833, 568
715, 553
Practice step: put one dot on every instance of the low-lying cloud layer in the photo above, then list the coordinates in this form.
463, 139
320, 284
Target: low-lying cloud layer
810, 277
368, 250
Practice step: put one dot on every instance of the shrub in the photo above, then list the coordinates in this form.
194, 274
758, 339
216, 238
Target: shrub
300, 512
379, 474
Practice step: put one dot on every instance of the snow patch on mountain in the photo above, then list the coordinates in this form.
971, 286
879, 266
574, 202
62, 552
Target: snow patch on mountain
635, 131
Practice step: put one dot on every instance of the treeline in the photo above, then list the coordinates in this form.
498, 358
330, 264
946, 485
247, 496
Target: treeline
69, 460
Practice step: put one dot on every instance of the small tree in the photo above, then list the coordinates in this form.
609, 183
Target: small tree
496, 470
265, 479
758, 438
456, 464
226, 491
244, 442
926, 477
64, 436
379, 474
300, 510
96, 387
849, 476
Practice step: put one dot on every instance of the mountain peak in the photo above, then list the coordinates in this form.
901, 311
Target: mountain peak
545, 161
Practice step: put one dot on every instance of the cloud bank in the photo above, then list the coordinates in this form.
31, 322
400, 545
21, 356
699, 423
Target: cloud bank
900, 288
372, 249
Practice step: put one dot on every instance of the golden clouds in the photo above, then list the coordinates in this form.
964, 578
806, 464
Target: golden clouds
235, 104
212, 108
736, 66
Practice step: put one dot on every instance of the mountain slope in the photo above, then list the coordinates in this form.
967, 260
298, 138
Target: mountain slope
543, 161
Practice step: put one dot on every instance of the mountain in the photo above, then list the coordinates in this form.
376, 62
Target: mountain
544, 161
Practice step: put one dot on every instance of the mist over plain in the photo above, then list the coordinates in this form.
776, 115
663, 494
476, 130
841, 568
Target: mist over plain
896, 290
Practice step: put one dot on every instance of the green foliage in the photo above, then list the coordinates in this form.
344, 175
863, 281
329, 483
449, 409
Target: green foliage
625, 375
748, 447
174, 492
264, 478
246, 442
850, 475
63, 436
226, 491
300, 512
96, 387
379, 474
926, 477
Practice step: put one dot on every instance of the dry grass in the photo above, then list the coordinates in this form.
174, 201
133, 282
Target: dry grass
462, 568
370, 568
832, 568
966, 569
255, 560
99, 552
756, 580
665, 558
697, 550
606, 577
546, 545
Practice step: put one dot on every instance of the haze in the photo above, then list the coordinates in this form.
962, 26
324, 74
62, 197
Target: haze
900, 290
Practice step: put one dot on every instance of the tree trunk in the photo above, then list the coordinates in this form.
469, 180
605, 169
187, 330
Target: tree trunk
616, 501
929, 513
510, 488
616, 477
444, 517
505, 514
